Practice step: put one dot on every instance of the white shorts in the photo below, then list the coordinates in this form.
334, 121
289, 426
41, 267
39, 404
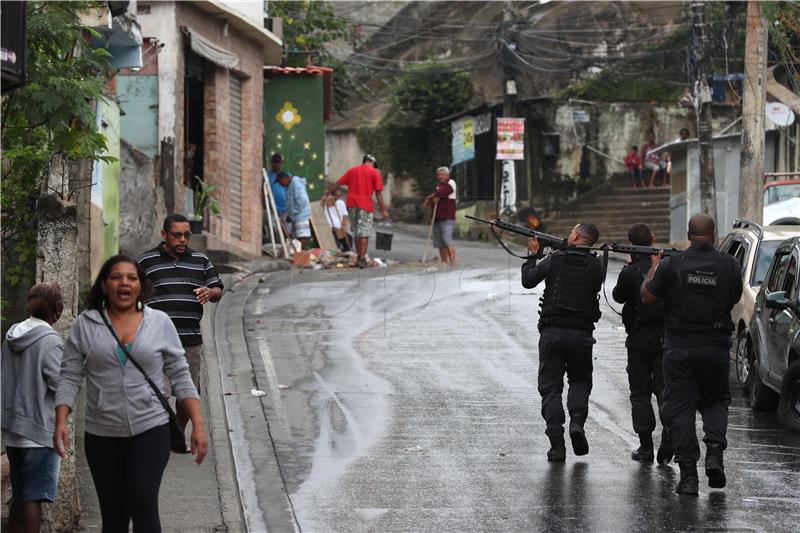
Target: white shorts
301, 229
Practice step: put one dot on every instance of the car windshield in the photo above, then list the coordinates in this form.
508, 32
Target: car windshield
779, 193
765, 252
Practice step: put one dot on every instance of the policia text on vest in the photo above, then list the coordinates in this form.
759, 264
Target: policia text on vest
699, 287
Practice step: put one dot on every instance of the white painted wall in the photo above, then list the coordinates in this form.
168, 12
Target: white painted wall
253, 10
161, 23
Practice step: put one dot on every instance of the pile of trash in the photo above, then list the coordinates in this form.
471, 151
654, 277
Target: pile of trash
318, 259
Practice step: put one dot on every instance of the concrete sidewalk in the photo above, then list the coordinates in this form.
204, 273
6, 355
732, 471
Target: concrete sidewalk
193, 498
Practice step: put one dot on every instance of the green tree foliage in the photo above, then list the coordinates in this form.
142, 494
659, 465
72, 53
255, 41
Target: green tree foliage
432, 91
408, 141
54, 113
660, 72
308, 28
783, 21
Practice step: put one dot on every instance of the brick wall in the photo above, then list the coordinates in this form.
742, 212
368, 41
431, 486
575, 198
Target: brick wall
216, 126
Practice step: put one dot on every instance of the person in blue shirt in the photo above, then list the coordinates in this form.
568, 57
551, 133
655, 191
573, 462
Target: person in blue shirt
278, 192
298, 206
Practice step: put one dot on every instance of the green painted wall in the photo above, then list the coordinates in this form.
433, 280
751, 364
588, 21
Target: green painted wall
105, 178
294, 127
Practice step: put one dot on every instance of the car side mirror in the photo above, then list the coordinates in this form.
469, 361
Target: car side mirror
777, 300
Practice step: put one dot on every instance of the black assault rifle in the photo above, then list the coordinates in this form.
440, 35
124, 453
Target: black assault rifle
546, 240
642, 250
556, 243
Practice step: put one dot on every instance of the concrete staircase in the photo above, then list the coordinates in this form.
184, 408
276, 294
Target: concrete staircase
614, 210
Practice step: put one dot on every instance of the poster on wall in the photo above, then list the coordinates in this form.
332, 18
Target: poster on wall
510, 138
463, 144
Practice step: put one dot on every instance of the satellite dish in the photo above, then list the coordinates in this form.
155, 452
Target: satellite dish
780, 114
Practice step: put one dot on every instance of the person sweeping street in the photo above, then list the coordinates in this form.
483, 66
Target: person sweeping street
443, 200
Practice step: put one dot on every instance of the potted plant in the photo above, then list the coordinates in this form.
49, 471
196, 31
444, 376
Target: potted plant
202, 200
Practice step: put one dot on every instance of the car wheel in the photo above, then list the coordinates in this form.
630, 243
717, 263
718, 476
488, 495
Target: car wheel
744, 360
762, 398
789, 406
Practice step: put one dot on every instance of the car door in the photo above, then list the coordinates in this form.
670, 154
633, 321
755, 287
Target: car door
763, 317
781, 322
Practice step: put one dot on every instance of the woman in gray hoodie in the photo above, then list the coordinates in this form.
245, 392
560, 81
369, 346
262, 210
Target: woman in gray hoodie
127, 438
31, 361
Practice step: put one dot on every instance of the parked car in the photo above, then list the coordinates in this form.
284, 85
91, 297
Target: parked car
775, 334
781, 201
753, 247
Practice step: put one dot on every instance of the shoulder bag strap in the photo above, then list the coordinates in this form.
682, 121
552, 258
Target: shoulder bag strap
159, 395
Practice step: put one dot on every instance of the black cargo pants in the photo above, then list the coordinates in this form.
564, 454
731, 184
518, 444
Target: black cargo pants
646, 379
696, 379
564, 350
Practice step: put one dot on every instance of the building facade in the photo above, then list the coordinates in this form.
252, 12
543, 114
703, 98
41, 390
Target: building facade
194, 112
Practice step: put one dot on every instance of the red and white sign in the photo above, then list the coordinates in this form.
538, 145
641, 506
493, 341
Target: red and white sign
510, 138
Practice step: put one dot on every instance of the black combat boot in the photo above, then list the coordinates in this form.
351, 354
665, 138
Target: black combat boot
664, 455
576, 434
558, 451
714, 469
689, 482
645, 452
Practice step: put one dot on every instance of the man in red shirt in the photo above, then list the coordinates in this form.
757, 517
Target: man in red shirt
361, 182
444, 198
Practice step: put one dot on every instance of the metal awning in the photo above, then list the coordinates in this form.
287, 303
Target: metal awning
208, 50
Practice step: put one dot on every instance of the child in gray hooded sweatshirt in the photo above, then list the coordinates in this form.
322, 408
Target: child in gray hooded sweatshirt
30, 367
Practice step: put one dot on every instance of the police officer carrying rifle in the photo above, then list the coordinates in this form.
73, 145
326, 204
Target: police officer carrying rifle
699, 287
645, 327
573, 277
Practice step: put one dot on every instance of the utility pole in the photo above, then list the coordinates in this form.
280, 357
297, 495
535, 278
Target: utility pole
753, 104
702, 107
506, 204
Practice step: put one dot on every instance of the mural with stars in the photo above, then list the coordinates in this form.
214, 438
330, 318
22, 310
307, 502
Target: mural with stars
294, 127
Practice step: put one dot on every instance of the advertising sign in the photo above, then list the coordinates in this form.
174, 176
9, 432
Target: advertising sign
510, 138
463, 144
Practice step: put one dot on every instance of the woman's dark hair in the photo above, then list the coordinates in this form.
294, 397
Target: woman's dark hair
97, 298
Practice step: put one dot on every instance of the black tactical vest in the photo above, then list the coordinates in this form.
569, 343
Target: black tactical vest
636, 314
571, 294
700, 299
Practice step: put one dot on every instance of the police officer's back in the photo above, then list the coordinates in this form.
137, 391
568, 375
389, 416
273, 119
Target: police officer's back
644, 325
699, 286
569, 309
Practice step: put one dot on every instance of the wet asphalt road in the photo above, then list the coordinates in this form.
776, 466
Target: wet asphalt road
404, 399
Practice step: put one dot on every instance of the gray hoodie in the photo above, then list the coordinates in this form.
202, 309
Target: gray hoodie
119, 402
31, 360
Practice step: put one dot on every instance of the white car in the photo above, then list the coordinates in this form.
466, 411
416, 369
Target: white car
753, 247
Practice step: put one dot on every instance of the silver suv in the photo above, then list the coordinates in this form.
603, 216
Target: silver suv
775, 333
753, 247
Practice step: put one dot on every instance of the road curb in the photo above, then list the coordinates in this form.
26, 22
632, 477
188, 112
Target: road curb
228, 393
229, 499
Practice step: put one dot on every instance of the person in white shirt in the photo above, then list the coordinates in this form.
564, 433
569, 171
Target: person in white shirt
336, 213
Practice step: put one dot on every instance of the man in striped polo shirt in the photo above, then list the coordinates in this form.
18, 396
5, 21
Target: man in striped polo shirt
183, 280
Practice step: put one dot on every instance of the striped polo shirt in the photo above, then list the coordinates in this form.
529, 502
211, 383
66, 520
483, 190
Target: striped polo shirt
174, 282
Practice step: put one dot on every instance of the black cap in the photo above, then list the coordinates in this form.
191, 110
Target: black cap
277, 157
369, 157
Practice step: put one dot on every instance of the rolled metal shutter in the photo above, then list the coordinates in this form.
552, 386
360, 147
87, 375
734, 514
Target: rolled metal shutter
235, 156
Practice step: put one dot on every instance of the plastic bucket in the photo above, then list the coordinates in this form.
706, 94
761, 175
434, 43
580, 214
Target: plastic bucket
383, 241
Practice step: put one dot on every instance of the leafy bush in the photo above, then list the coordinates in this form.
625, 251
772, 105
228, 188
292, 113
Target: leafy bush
432, 91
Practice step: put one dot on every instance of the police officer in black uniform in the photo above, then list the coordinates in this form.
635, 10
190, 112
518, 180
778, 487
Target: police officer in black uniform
645, 327
699, 287
569, 309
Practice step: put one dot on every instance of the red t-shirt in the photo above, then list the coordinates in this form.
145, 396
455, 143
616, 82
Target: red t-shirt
446, 209
362, 181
